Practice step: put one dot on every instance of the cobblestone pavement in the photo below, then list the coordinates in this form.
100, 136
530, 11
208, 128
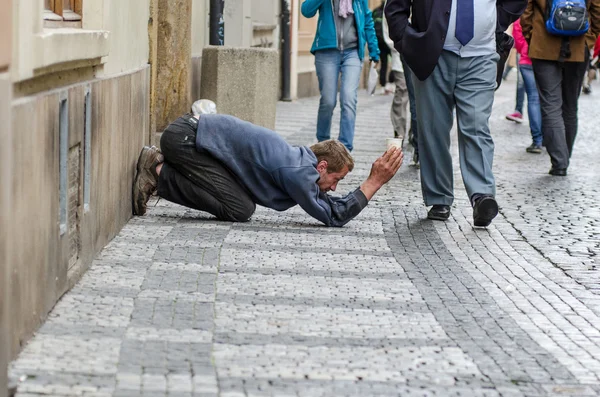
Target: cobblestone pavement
390, 305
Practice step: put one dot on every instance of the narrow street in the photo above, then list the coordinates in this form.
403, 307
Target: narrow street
392, 304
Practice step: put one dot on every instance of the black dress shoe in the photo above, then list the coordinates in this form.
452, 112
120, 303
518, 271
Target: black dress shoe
484, 210
558, 171
439, 212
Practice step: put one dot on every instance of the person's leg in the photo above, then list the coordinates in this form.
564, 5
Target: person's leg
197, 180
351, 68
587, 80
520, 101
175, 187
414, 124
384, 52
591, 75
434, 99
474, 94
507, 70
399, 109
517, 114
327, 63
533, 105
574, 72
549, 77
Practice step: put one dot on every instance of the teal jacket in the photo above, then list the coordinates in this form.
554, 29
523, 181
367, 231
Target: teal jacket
326, 36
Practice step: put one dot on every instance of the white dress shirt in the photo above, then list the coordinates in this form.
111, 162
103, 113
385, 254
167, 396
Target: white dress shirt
484, 38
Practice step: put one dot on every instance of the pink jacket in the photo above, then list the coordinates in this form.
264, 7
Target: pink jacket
521, 44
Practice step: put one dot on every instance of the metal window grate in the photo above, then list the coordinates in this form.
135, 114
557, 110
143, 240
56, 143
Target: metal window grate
87, 146
73, 203
63, 125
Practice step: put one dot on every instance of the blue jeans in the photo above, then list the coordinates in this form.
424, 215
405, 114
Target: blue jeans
329, 64
533, 104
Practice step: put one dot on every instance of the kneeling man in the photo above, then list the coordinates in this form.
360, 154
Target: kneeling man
225, 166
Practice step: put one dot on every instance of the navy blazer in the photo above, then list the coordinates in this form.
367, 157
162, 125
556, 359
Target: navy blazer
422, 40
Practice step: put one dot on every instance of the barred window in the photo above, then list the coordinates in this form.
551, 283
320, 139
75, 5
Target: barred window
62, 13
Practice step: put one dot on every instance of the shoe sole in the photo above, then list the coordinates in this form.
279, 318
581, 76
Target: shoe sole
534, 151
438, 217
516, 120
487, 211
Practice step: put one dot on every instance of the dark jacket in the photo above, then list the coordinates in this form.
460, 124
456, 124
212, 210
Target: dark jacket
421, 40
276, 174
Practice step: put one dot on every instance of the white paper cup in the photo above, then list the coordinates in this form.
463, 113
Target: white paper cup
394, 142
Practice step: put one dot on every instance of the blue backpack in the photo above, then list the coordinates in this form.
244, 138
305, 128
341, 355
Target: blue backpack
567, 17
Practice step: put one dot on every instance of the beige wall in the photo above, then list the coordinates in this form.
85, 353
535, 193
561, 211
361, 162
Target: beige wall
5, 224
5, 35
200, 10
5, 197
37, 50
238, 23
44, 262
306, 80
265, 23
113, 39
127, 22
265, 11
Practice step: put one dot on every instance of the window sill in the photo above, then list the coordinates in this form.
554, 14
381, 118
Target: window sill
57, 46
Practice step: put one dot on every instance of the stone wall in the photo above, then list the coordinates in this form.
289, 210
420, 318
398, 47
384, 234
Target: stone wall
6, 167
173, 61
243, 82
5, 224
76, 146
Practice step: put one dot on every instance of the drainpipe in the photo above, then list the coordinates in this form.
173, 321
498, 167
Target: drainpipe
285, 50
217, 23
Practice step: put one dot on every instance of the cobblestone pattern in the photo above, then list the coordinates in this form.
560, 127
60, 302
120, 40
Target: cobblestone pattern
390, 305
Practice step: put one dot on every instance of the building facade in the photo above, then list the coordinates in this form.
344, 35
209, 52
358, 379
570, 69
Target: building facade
84, 84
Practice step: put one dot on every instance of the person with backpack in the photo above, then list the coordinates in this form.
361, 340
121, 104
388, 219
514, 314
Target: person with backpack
560, 35
533, 98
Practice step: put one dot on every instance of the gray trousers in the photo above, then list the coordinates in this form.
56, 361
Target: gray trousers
559, 86
468, 85
399, 111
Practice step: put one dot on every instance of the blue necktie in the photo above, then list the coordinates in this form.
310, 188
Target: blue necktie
465, 21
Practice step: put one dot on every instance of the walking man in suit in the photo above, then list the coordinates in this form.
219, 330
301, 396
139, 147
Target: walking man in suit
451, 47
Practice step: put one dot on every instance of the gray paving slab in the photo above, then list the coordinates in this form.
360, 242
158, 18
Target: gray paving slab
179, 304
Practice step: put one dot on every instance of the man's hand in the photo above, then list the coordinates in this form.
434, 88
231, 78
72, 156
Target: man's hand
382, 170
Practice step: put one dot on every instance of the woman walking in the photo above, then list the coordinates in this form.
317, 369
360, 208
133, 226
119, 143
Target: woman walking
533, 99
343, 29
